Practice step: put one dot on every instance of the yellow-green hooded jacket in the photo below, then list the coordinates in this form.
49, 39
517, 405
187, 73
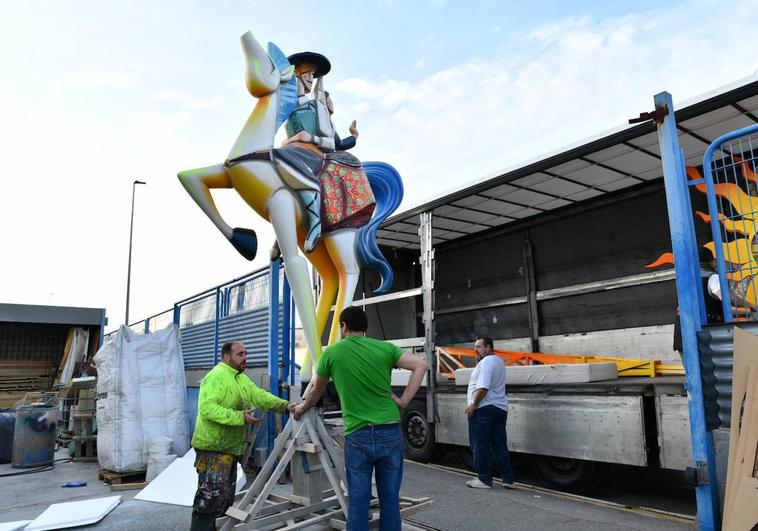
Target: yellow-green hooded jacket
225, 395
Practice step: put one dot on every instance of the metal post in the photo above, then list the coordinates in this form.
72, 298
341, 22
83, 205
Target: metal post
687, 273
273, 343
102, 329
129, 267
177, 315
427, 287
531, 294
216, 326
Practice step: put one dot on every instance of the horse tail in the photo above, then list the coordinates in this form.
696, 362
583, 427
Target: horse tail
387, 186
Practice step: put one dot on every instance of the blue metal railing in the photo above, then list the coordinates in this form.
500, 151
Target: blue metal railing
256, 308
729, 168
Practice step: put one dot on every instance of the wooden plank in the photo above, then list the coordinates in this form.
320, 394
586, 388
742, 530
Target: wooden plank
408, 511
334, 454
284, 461
310, 521
333, 480
744, 344
309, 448
109, 476
237, 514
258, 483
743, 502
336, 523
299, 512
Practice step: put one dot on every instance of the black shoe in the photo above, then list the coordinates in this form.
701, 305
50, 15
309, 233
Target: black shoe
246, 242
203, 521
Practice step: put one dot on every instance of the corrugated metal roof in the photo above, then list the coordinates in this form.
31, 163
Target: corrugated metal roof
31, 313
622, 158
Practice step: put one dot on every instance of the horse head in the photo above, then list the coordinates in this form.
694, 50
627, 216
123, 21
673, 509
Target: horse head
262, 76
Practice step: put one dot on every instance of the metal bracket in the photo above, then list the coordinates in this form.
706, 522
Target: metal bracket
658, 115
697, 475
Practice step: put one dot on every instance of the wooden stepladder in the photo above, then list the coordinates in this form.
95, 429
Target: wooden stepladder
306, 445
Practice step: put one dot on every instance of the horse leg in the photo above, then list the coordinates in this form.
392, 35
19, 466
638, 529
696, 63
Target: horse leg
198, 184
282, 208
341, 247
321, 260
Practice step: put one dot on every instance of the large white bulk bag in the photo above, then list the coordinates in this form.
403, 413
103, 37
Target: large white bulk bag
142, 395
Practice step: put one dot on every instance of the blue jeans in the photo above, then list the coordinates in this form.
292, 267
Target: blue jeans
486, 434
379, 450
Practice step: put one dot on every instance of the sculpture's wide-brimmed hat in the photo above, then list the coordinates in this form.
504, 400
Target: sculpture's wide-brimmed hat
320, 64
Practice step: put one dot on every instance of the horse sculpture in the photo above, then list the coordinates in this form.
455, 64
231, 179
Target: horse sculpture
263, 180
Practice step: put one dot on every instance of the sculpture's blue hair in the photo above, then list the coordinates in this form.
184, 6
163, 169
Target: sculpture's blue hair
287, 90
388, 191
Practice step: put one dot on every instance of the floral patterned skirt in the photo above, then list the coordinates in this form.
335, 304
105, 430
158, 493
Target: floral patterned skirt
346, 199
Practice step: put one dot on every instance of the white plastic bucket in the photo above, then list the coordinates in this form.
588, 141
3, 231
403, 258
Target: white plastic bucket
157, 464
160, 446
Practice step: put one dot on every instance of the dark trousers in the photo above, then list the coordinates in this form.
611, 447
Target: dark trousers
486, 433
216, 483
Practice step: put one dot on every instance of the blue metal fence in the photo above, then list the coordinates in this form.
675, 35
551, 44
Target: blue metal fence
236, 310
729, 168
257, 309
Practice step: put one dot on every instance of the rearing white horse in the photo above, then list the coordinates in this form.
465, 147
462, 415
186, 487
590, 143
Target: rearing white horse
265, 181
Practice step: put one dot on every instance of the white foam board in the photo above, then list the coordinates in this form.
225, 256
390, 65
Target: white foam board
550, 374
73, 514
178, 483
401, 377
13, 526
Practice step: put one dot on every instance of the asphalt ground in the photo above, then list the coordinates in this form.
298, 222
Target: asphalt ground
657, 489
455, 506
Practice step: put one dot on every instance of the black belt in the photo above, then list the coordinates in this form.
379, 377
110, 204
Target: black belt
256, 155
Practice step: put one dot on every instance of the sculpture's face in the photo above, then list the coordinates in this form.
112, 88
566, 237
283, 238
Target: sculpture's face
306, 78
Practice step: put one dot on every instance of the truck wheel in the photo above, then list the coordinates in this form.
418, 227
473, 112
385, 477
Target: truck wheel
418, 433
573, 475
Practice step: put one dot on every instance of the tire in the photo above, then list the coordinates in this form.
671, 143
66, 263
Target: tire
572, 475
418, 433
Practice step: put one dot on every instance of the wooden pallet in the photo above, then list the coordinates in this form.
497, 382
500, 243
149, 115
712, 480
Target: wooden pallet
85, 449
119, 478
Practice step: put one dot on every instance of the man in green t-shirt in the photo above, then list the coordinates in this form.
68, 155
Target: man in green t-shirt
361, 369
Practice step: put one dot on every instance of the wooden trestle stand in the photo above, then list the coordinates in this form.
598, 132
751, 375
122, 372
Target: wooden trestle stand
307, 447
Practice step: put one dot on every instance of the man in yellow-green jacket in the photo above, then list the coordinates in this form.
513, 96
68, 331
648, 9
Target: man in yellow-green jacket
224, 410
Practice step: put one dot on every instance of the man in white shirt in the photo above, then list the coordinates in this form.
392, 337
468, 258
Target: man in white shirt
487, 412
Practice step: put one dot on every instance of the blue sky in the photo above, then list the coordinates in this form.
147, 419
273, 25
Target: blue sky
96, 94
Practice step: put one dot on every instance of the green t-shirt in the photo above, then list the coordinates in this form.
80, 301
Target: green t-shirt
361, 368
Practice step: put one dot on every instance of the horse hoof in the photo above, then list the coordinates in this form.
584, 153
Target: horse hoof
246, 242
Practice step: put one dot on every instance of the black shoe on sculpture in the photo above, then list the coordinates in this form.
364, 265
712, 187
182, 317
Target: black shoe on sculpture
245, 241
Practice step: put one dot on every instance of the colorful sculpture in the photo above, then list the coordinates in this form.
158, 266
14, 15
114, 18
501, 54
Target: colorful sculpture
303, 180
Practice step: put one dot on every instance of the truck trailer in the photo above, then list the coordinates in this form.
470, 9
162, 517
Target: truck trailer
552, 256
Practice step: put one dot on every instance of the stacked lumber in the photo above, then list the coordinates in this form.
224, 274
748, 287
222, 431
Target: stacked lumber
18, 377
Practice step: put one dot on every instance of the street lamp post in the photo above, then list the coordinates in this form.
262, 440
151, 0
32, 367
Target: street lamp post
129, 268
